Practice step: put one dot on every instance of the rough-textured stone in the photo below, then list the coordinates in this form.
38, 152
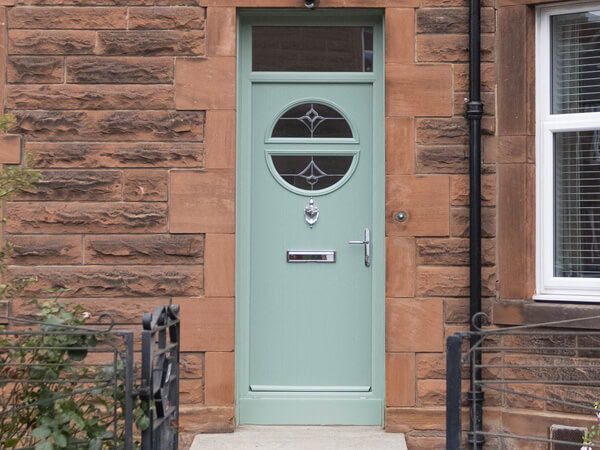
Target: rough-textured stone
442, 159
191, 365
149, 43
166, 18
459, 222
431, 365
152, 249
442, 131
113, 281
87, 217
191, 392
51, 42
402, 420
66, 18
145, 185
416, 441
35, 69
206, 419
451, 47
127, 310
452, 252
45, 249
110, 2
452, 20
452, 281
488, 78
459, 194
114, 125
138, 70
67, 96
99, 154
75, 185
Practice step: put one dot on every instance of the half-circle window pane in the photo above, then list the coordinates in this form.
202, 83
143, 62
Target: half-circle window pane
312, 120
312, 173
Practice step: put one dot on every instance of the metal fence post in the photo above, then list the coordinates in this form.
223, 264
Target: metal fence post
128, 338
453, 391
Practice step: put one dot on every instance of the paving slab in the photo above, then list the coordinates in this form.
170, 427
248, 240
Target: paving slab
301, 438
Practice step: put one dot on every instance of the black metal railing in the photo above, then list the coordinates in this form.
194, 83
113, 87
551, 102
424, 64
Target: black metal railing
547, 371
69, 385
160, 377
75, 386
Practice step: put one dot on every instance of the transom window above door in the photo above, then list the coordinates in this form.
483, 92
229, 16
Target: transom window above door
312, 49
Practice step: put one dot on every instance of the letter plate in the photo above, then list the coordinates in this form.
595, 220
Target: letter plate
302, 256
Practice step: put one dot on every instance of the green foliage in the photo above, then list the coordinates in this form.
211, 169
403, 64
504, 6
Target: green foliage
7, 121
592, 433
70, 401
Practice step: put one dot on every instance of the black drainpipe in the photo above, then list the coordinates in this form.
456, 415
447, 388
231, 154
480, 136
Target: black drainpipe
474, 114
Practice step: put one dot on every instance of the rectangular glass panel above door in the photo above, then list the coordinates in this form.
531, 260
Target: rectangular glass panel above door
310, 303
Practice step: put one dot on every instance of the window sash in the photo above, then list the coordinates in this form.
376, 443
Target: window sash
548, 286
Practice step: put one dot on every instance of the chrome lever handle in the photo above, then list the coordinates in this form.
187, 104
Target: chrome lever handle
367, 244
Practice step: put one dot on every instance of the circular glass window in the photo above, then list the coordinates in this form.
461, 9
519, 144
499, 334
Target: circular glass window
318, 172
311, 120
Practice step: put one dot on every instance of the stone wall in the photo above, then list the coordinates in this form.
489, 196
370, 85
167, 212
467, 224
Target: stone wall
129, 107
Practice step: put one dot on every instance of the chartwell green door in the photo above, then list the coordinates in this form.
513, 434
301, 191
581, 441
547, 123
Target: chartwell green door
310, 232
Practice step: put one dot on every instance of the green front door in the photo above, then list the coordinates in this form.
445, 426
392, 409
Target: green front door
311, 252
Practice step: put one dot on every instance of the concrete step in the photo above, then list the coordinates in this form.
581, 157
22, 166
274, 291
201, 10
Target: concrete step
301, 438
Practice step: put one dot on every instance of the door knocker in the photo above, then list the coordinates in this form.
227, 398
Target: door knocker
311, 213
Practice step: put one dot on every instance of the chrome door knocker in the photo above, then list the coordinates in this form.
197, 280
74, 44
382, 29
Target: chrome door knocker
311, 213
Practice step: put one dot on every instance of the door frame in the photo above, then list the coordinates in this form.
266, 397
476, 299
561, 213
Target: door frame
247, 18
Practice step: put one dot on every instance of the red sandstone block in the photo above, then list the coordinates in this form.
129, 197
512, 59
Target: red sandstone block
35, 69
219, 267
166, 18
10, 149
220, 378
202, 202
205, 83
145, 185
418, 90
51, 42
207, 324
41, 17
221, 32
400, 379
424, 199
414, 325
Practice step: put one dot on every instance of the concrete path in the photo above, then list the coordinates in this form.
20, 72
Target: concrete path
301, 438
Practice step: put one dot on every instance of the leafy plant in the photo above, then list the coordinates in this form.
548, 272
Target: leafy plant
7, 121
592, 433
60, 400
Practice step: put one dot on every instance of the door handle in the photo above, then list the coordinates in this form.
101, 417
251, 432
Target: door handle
367, 244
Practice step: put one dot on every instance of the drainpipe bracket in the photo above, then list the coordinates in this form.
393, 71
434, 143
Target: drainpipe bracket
474, 110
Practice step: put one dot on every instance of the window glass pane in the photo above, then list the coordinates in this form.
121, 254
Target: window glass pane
312, 173
576, 62
577, 204
312, 120
312, 49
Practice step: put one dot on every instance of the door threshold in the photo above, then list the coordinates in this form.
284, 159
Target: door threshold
271, 437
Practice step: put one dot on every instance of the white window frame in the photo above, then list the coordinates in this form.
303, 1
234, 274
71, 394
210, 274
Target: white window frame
549, 287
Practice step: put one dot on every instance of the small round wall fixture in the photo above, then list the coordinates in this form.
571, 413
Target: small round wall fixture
312, 4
